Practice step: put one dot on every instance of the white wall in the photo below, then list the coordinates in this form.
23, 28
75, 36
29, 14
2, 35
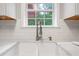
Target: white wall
62, 33
2, 8
8, 9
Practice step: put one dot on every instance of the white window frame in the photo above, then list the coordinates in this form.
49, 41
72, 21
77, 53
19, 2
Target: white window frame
24, 18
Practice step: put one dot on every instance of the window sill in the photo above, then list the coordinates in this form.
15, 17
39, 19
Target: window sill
55, 26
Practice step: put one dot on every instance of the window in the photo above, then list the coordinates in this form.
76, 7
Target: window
44, 12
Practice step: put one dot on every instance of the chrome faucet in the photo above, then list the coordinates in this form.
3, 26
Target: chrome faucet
38, 30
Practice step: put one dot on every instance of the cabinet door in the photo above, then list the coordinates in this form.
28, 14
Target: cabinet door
27, 49
47, 49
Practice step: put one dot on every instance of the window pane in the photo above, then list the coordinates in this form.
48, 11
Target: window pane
31, 14
45, 6
48, 21
31, 21
48, 14
42, 20
41, 11
40, 14
30, 6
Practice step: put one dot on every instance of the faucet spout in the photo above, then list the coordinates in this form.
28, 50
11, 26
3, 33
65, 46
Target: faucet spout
38, 30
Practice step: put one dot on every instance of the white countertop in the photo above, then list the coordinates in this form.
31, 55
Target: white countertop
5, 46
71, 47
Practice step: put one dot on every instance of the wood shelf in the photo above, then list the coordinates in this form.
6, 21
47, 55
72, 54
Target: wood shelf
76, 17
3, 17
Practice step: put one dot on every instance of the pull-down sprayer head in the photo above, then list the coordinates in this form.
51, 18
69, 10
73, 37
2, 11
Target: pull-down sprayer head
38, 30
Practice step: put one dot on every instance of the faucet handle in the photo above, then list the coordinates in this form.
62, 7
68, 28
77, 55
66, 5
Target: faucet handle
50, 38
